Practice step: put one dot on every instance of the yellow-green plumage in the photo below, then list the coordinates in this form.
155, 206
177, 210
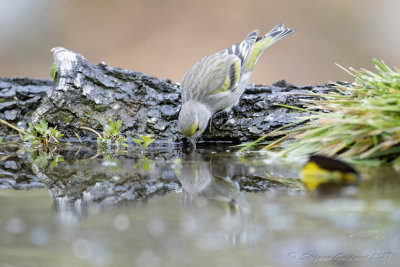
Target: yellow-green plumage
259, 48
216, 82
229, 81
190, 130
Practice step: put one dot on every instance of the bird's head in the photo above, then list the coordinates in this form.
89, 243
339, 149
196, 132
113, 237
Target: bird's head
193, 120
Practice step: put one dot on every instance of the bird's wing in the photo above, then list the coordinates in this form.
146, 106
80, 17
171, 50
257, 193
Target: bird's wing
212, 75
226, 74
244, 49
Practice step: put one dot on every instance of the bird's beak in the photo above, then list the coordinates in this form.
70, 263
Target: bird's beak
193, 140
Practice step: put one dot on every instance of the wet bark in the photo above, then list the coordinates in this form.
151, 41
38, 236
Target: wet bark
89, 95
19, 97
15, 169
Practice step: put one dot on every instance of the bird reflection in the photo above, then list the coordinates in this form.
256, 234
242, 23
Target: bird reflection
214, 208
214, 200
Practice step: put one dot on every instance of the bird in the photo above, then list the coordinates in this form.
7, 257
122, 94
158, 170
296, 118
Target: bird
216, 82
325, 172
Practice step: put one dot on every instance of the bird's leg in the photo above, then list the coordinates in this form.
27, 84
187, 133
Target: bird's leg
219, 114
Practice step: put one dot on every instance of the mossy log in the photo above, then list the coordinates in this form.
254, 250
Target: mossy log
88, 95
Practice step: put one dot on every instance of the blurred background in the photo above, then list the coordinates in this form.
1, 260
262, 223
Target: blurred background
164, 38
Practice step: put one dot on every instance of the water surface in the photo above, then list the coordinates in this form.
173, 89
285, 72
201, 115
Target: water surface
168, 207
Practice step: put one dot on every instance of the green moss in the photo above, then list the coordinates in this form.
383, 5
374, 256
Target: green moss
54, 71
99, 108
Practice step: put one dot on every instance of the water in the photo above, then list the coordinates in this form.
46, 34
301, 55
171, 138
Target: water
173, 208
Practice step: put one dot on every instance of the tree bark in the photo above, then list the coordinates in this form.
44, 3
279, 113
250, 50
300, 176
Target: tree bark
88, 95
19, 97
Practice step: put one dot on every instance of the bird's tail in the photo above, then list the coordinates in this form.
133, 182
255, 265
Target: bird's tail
263, 42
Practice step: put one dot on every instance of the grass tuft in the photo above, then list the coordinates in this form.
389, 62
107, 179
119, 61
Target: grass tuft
360, 123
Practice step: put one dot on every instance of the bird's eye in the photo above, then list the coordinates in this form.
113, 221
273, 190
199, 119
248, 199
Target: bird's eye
198, 128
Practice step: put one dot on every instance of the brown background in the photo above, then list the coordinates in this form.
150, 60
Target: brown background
164, 38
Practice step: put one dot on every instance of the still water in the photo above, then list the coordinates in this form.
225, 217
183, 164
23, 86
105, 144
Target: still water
168, 207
